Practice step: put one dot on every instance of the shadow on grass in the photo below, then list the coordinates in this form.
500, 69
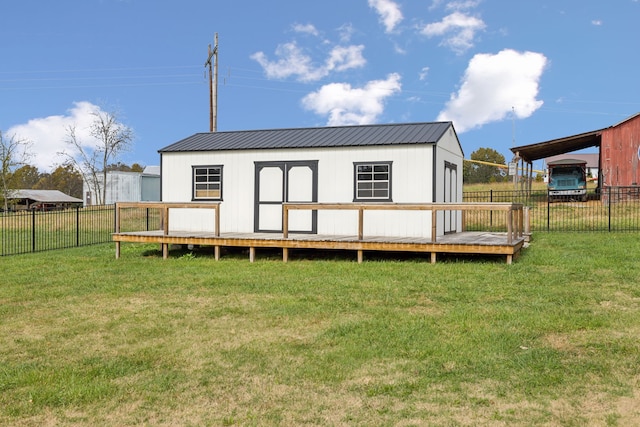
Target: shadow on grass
275, 254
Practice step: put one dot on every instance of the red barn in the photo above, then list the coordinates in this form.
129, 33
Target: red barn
619, 147
620, 153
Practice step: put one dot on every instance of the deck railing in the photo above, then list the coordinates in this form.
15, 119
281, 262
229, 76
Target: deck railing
514, 213
163, 208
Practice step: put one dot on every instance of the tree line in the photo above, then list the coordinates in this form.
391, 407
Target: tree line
83, 162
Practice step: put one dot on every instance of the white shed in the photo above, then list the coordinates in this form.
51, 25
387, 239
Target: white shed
252, 173
126, 187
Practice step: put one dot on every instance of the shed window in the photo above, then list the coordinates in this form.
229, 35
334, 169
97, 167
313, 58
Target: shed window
372, 181
207, 182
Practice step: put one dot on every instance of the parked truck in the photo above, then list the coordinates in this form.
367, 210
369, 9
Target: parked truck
567, 180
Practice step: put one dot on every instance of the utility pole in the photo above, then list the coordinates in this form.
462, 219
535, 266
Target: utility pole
213, 85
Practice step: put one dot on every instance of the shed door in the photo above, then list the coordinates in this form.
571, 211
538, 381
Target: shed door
450, 195
280, 182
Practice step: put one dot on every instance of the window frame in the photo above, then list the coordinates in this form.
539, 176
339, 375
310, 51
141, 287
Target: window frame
356, 181
194, 183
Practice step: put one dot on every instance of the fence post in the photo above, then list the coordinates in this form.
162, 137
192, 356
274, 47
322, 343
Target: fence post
33, 230
609, 209
77, 225
548, 211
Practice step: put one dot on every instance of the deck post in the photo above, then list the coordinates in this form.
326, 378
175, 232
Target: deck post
521, 218
360, 223
117, 250
433, 257
165, 250
216, 252
434, 226
360, 256
285, 254
217, 213
285, 221
117, 230
509, 226
252, 254
165, 222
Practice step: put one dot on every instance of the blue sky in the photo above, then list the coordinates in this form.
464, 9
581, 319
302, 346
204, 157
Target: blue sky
502, 71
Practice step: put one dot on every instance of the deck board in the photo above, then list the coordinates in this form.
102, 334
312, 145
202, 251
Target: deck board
461, 243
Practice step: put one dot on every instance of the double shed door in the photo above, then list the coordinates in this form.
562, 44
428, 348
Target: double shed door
280, 182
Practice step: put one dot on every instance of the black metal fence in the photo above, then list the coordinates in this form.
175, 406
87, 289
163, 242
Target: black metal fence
613, 209
35, 231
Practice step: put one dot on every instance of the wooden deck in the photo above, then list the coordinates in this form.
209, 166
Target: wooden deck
459, 243
507, 244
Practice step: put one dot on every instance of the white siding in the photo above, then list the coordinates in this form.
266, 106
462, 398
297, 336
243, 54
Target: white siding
448, 150
121, 187
412, 173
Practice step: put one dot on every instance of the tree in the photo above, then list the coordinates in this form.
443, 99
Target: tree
25, 177
14, 153
484, 173
112, 138
123, 167
64, 178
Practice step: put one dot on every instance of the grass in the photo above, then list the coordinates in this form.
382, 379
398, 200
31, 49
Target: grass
552, 339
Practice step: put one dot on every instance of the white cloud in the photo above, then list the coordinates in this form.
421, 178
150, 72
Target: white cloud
463, 5
294, 62
596, 22
389, 11
346, 31
48, 135
346, 105
494, 84
423, 73
306, 29
457, 29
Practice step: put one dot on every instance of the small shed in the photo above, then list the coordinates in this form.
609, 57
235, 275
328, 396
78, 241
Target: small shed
44, 200
127, 187
252, 173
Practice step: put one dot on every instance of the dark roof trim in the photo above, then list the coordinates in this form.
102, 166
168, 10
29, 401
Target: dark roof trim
321, 137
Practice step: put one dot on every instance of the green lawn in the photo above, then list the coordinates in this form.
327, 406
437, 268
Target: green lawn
551, 340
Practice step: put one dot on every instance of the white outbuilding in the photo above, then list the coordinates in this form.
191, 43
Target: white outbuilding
252, 173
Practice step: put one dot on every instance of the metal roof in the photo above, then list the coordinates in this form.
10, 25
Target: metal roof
343, 136
44, 196
567, 144
554, 147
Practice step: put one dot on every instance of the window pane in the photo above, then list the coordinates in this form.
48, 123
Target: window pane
373, 181
381, 185
207, 182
